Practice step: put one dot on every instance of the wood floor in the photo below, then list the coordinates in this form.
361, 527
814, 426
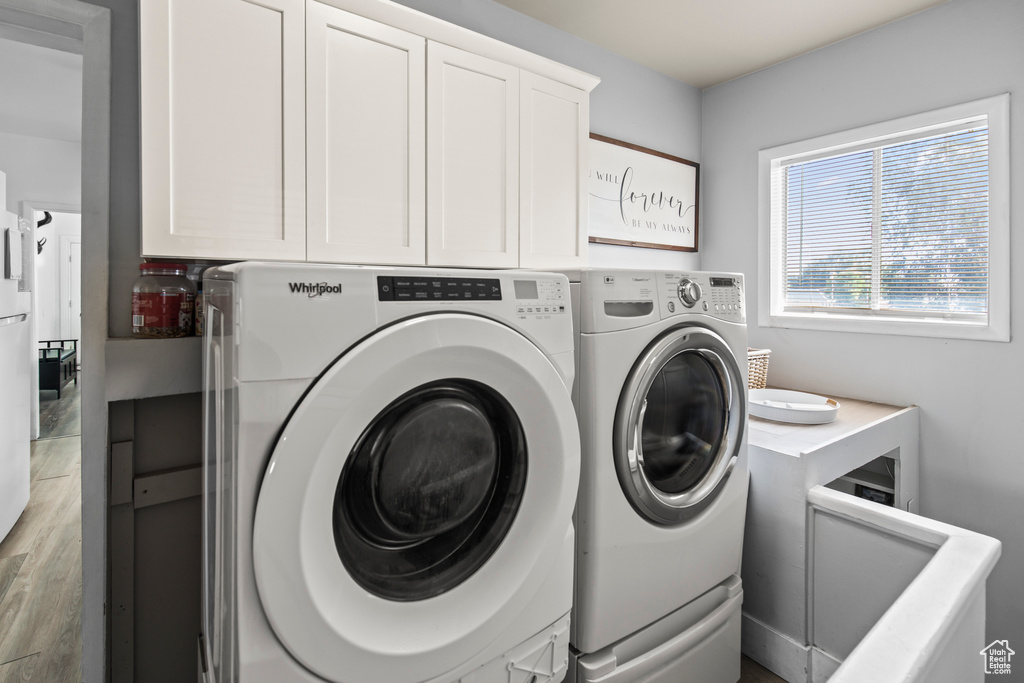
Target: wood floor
41, 558
752, 672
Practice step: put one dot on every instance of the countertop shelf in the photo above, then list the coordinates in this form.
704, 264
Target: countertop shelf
143, 368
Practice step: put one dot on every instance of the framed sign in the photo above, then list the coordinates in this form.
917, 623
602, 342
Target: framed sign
640, 197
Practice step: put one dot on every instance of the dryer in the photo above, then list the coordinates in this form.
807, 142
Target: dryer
661, 400
391, 462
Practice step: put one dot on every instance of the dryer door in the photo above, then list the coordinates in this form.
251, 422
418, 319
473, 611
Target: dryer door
679, 425
416, 500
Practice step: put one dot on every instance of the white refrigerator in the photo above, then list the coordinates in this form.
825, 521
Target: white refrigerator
15, 374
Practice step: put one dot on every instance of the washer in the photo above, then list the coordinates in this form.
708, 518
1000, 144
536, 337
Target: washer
391, 462
661, 400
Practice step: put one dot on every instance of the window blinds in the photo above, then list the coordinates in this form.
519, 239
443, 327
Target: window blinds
898, 228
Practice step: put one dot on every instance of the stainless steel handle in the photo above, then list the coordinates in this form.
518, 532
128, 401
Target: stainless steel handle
635, 453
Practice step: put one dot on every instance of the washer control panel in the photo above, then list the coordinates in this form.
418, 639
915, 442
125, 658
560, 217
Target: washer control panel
718, 295
419, 288
540, 297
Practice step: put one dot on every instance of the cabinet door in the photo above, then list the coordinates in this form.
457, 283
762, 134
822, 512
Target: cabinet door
223, 128
472, 160
553, 198
365, 122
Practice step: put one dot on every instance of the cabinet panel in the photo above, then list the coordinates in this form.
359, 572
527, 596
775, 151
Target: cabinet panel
473, 160
553, 174
223, 132
365, 117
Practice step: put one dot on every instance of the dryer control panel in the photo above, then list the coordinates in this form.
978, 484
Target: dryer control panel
717, 295
540, 297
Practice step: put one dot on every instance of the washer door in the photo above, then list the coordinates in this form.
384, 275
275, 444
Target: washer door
679, 425
416, 500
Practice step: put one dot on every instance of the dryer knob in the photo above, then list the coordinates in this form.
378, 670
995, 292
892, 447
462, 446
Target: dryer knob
689, 293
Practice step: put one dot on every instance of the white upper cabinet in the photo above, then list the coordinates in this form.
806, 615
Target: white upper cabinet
554, 125
355, 131
365, 120
223, 129
473, 160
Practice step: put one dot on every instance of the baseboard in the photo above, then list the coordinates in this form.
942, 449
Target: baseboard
783, 656
823, 665
775, 651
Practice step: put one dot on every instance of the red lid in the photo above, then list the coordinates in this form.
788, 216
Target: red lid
162, 266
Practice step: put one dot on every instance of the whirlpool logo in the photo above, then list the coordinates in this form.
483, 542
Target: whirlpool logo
314, 289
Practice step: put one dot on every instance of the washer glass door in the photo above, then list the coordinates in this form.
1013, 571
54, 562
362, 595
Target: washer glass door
679, 425
430, 489
416, 500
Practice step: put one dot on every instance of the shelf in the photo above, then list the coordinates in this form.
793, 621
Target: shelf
875, 480
143, 368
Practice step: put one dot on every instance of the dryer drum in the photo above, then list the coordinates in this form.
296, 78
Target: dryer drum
430, 489
683, 424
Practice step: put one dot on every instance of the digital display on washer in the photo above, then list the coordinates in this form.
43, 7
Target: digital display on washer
526, 289
723, 282
419, 288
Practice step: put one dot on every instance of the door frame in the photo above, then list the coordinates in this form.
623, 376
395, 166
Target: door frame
37, 17
66, 290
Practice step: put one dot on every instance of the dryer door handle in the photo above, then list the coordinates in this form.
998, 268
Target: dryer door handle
635, 452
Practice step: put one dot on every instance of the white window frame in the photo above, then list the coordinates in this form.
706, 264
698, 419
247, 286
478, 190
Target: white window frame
770, 256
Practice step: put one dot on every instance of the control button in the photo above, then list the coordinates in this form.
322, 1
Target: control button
705, 306
385, 288
671, 306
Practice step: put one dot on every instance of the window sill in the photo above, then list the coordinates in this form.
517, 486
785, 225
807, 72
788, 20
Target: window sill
830, 322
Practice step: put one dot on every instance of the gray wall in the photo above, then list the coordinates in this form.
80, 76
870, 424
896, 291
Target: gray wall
972, 428
632, 103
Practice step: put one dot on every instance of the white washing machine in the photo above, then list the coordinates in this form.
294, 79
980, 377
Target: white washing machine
392, 459
661, 400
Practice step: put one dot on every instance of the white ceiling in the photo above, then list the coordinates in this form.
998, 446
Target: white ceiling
706, 42
40, 91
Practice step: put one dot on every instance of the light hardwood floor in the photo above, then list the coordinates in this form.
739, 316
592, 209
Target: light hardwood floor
752, 672
41, 562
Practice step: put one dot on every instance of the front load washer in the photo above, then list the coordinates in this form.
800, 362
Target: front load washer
661, 400
391, 462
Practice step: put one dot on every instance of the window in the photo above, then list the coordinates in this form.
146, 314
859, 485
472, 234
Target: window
900, 228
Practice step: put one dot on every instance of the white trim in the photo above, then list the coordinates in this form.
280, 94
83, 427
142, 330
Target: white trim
65, 283
996, 109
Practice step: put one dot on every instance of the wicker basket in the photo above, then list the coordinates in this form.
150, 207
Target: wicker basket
757, 368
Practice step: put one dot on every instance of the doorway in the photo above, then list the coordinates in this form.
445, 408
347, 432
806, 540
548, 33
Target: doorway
43, 165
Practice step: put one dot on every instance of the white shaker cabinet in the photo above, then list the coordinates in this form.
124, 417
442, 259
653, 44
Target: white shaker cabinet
472, 160
223, 129
365, 122
553, 168
355, 131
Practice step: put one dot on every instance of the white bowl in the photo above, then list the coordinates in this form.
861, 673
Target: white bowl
792, 406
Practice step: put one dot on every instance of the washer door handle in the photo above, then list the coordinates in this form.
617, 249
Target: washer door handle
635, 453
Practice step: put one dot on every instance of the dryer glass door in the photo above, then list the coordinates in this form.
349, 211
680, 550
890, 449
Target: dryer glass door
679, 424
430, 489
